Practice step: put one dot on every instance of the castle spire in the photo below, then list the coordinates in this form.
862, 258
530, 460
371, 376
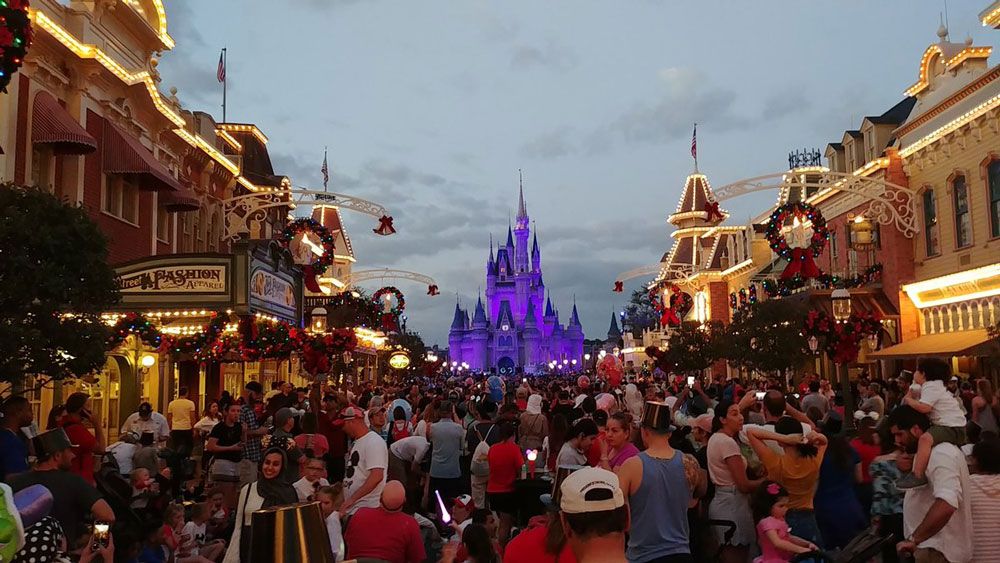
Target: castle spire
479, 318
458, 323
510, 236
522, 211
548, 306
574, 319
613, 331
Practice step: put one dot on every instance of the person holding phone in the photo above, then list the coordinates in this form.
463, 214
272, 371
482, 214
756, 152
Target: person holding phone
85, 444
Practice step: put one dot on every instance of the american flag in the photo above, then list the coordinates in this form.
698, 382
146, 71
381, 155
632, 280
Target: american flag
325, 170
694, 142
221, 72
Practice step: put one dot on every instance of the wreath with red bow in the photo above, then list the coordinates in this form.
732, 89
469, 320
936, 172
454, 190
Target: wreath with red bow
323, 261
800, 260
15, 38
389, 317
317, 350
842, 340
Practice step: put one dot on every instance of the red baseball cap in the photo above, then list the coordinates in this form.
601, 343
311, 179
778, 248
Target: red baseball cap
465, 501
350, 412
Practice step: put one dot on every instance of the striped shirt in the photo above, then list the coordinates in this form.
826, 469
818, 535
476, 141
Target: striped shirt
984, 496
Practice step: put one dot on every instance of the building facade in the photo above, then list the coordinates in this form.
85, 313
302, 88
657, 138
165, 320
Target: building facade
517, 329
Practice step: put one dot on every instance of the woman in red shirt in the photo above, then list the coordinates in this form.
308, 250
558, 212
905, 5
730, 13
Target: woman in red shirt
505, 462
85, 444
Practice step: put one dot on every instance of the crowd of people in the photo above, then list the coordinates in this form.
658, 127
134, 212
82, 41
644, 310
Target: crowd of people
547, 468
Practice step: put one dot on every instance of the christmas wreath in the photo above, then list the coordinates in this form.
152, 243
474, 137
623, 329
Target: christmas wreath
317, 350
389, 316
800, 260
134, 323
15, 38
673, 310
841, 340
319, 265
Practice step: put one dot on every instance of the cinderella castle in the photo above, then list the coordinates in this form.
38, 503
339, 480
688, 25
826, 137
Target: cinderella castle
517, 329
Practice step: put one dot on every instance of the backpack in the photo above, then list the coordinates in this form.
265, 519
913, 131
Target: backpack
480, 465
399, 434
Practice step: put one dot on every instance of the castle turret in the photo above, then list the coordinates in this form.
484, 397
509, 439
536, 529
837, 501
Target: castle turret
456, 335
531, 336
573, 337
536, 255
521, 235
614, 334
479, 336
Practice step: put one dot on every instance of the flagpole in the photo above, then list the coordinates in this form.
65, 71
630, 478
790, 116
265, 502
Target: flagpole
695, 139
224, 78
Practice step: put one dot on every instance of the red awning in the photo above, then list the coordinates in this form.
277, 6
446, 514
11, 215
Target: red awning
52, 125
180, 201
124, 154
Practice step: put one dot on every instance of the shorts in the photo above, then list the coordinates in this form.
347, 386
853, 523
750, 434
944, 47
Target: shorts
950, 434
225, 471
503, 503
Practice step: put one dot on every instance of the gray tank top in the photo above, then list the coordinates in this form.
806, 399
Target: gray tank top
659, 510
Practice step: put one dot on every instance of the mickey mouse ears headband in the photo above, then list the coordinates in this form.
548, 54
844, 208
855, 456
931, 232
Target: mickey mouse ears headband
860, 415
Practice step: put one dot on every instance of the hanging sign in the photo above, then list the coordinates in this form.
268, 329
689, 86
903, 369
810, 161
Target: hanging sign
176, 279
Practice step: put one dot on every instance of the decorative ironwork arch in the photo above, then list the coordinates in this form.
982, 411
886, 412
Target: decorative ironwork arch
243, 211
678, 272
386, 274
890, 204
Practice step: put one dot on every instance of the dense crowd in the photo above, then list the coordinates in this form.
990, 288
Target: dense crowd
549, 468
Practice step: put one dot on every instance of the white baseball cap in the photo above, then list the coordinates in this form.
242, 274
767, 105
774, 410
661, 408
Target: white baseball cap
590, 489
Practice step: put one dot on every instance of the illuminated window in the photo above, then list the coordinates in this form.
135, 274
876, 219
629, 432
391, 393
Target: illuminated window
932, 245
993, 179
963, 220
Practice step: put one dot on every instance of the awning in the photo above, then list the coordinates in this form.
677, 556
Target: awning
52, 125
124, 154
177, 202
964, 343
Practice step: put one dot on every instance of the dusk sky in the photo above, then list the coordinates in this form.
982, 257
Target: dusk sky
431, 107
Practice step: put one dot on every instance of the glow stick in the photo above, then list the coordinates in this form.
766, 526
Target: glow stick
445, 517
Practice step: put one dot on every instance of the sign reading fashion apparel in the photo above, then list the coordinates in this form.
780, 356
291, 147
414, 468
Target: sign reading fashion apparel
176, 279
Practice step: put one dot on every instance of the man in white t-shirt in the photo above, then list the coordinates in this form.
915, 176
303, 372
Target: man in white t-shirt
146, 420
364, 476
405, 457
182, 416
937, 519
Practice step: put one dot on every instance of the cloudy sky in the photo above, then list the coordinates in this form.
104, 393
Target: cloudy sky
430, 107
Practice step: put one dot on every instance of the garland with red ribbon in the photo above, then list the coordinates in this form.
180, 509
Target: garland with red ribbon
384, 227
15, 38
137, 324
842, 340
318, 350
712, 212
319, 265
801, 261
390, 318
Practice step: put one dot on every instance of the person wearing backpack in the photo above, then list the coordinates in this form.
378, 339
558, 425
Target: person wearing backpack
400, 427
534, 426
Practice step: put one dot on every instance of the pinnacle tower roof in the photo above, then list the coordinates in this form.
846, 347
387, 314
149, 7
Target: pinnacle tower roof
548, 307
574, 318
459, 321
614, 331
480, 315
697, 194
522, 211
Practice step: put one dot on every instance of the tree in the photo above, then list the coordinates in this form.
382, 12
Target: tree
766, 336
413, 344
691, 348
56, 283
640, 313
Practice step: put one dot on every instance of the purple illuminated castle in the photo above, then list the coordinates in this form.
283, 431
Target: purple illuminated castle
518, 329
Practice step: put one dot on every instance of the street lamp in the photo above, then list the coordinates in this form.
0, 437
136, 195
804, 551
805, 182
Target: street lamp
841, 312
586, 357
813, 344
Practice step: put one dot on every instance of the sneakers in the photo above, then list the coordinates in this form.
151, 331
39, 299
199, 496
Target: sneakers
910, 481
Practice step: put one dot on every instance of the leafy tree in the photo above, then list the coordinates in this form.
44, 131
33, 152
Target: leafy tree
767, 336
56, 283
639, 313
692, 348
413, 344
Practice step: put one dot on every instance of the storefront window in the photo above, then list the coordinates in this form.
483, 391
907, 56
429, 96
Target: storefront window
993, 178
932, 245
963, 221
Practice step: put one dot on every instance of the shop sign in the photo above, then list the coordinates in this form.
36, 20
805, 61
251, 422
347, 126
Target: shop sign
961, 286
399, 360
175, 279
271, 289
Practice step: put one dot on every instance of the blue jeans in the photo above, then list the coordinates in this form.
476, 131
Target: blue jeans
803, 525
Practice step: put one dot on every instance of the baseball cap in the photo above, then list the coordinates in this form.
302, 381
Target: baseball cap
465, 501
350, 413
590, 489
703, 422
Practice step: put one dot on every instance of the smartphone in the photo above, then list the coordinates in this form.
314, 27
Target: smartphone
690, 380
524, 380
102, 536
760, 395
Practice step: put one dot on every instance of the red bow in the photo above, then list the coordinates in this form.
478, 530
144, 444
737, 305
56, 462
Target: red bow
389, 322
712, 210
315, 361
802, 263
669, 318
432, 290
385, 227
619, 287
309, 278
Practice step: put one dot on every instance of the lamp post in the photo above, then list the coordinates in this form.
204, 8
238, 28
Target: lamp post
841, 299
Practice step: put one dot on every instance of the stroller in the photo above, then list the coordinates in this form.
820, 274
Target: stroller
863, 548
